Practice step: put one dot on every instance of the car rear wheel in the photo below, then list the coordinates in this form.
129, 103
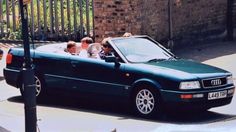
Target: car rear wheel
38, 87
146, 102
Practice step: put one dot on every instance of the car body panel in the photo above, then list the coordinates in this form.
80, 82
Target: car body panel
73, 75
189, 66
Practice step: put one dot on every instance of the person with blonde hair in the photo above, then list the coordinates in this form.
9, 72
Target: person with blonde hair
127, 34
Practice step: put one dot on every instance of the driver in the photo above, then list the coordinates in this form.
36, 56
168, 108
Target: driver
106, 49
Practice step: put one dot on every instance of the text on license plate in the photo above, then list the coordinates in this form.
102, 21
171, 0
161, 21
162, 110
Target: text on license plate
217, 95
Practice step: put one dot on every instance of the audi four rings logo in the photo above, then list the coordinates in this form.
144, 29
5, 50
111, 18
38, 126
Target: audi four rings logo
216, 82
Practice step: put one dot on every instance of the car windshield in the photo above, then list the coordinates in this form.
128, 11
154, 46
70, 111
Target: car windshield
141, 50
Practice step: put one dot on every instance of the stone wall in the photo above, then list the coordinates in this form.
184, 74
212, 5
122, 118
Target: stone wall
192, 19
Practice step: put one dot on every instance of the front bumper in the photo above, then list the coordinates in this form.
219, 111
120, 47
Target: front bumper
173, 99
11, 76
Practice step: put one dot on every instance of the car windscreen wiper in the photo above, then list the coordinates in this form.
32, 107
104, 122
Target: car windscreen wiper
156, 60
172, 58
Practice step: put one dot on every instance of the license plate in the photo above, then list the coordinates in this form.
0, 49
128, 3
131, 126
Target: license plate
217, 95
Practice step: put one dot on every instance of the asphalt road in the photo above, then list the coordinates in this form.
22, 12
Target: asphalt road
66, 114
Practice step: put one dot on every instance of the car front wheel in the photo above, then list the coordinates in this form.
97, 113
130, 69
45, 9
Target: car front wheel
146, 102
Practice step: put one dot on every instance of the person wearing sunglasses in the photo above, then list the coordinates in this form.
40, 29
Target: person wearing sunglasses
106, 49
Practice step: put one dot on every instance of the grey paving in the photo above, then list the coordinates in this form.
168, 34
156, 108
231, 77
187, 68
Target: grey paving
3, 129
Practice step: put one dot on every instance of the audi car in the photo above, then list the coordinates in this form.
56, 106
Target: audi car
140, 72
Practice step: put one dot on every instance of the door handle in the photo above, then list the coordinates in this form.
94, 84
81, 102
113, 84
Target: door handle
74, 63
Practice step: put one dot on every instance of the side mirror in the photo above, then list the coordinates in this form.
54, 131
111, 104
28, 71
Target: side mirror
110, 59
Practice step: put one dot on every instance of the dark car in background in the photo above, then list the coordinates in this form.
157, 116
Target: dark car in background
142, 73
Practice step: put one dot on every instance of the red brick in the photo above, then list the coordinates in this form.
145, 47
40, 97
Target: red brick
151, 17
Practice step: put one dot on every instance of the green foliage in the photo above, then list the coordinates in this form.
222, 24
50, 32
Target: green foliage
54, 9
15, 35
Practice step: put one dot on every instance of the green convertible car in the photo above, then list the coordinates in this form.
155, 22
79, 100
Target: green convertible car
141, 72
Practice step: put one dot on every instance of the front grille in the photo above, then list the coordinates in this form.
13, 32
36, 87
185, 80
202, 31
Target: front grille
214, 82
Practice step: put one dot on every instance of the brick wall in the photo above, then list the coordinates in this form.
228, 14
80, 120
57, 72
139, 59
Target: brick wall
155, 18
192, 19
234, 14
199, 19
114, 17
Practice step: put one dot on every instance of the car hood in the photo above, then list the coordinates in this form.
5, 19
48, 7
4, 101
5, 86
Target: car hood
187, 68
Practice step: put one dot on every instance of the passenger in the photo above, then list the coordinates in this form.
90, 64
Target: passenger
71, 48
1, 53
84, 46
127, 34
93, 50
106, 49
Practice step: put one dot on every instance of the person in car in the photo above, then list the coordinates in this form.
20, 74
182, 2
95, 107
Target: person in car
127, 34
71, 48
93, 50
106, 49
84, 46
1, 53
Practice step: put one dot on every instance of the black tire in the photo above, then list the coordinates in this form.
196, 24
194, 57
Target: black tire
146, 102
39, 83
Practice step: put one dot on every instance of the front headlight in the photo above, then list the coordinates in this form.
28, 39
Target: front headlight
230, 80
189, 85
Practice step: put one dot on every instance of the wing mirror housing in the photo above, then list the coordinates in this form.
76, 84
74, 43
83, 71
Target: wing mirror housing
113, 59
110, 59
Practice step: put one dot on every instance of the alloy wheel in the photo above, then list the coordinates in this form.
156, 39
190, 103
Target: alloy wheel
38, 86
145, 101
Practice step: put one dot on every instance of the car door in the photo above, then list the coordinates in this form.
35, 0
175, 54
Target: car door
55, 69
97, 76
